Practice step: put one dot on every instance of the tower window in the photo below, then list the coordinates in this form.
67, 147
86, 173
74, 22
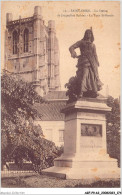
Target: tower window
26, 38
15, 42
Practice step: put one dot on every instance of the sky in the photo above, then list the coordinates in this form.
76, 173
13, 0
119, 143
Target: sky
71, 21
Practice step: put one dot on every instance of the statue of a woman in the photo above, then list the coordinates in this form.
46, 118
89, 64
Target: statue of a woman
87, 73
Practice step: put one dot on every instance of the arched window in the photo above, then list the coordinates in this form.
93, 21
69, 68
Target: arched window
15, 42
26, 38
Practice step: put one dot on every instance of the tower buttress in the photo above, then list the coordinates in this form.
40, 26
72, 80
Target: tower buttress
9, 17
51, 42
36, 35
6, 49
57, 68
53, 58
39, 34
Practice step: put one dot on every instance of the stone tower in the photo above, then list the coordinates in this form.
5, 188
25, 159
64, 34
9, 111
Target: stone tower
31, 51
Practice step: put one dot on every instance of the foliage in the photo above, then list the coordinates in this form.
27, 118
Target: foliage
97, 184
21, 138
113, 128
17, 98
17, 182
42, 181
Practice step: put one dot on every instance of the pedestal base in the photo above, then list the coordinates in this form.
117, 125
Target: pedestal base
84, 167
83, 173
85, 151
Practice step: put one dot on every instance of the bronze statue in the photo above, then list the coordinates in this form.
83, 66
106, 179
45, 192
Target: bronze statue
87, 73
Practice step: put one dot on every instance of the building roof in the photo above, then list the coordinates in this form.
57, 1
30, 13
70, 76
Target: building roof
61, 95
51, 111
56, 95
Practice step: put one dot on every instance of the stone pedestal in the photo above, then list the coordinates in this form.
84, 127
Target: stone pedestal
85, 151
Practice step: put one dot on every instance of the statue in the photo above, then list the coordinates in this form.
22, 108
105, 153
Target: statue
86, 81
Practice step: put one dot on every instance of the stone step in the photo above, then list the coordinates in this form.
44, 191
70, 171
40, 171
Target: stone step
59, 172
82, 173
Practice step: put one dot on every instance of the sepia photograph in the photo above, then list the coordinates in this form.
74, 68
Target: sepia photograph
60, 95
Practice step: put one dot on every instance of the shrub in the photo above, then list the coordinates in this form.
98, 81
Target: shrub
21, 138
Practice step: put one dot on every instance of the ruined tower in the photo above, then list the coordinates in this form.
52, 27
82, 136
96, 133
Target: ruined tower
31, 51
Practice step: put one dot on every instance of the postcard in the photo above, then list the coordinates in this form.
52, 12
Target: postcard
60, 97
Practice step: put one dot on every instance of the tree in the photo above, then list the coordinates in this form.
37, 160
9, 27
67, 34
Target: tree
21, 138
113, 128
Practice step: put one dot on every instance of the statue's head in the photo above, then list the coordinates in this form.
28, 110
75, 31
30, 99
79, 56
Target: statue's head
88, 35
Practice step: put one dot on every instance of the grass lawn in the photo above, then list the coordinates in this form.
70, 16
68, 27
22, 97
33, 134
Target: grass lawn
42, 181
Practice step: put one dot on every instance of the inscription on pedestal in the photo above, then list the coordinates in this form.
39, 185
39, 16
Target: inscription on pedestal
91, 130
91, 136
